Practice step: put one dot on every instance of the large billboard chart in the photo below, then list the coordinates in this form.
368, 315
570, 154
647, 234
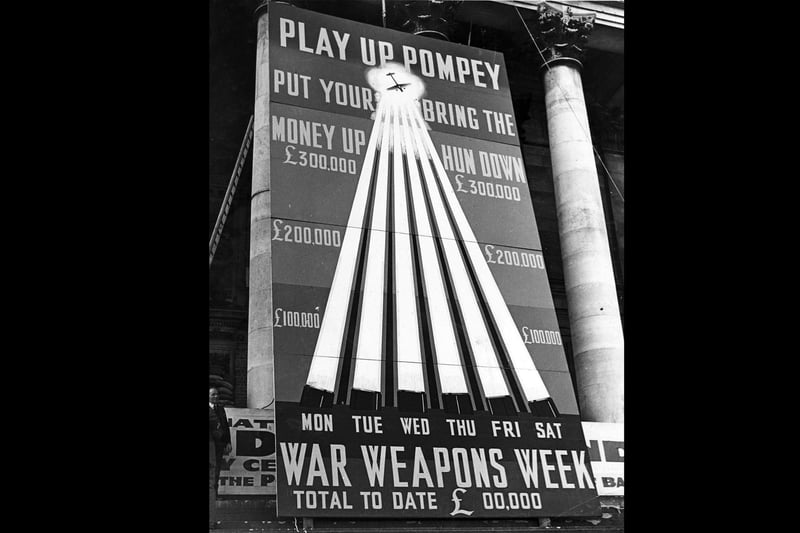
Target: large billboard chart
412, 379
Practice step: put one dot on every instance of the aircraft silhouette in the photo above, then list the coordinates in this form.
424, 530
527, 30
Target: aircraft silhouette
397, 86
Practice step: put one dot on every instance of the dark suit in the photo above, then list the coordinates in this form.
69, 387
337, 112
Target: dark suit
219, 438
214, 433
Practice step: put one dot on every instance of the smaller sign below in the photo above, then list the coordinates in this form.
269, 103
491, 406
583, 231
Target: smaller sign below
606, 443
250, 467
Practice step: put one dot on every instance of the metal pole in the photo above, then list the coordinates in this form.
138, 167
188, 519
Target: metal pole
230, 192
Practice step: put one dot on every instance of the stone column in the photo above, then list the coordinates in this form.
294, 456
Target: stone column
597, 338
260, 356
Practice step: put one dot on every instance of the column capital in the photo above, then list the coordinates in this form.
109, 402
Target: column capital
431, 18
561, 34
262, 6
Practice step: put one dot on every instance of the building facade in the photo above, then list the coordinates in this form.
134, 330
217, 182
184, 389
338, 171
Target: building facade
565, 65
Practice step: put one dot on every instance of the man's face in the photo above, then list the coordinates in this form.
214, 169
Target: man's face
213, 396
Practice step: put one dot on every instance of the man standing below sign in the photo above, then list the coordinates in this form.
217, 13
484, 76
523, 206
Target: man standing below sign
222, 443
219, 444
